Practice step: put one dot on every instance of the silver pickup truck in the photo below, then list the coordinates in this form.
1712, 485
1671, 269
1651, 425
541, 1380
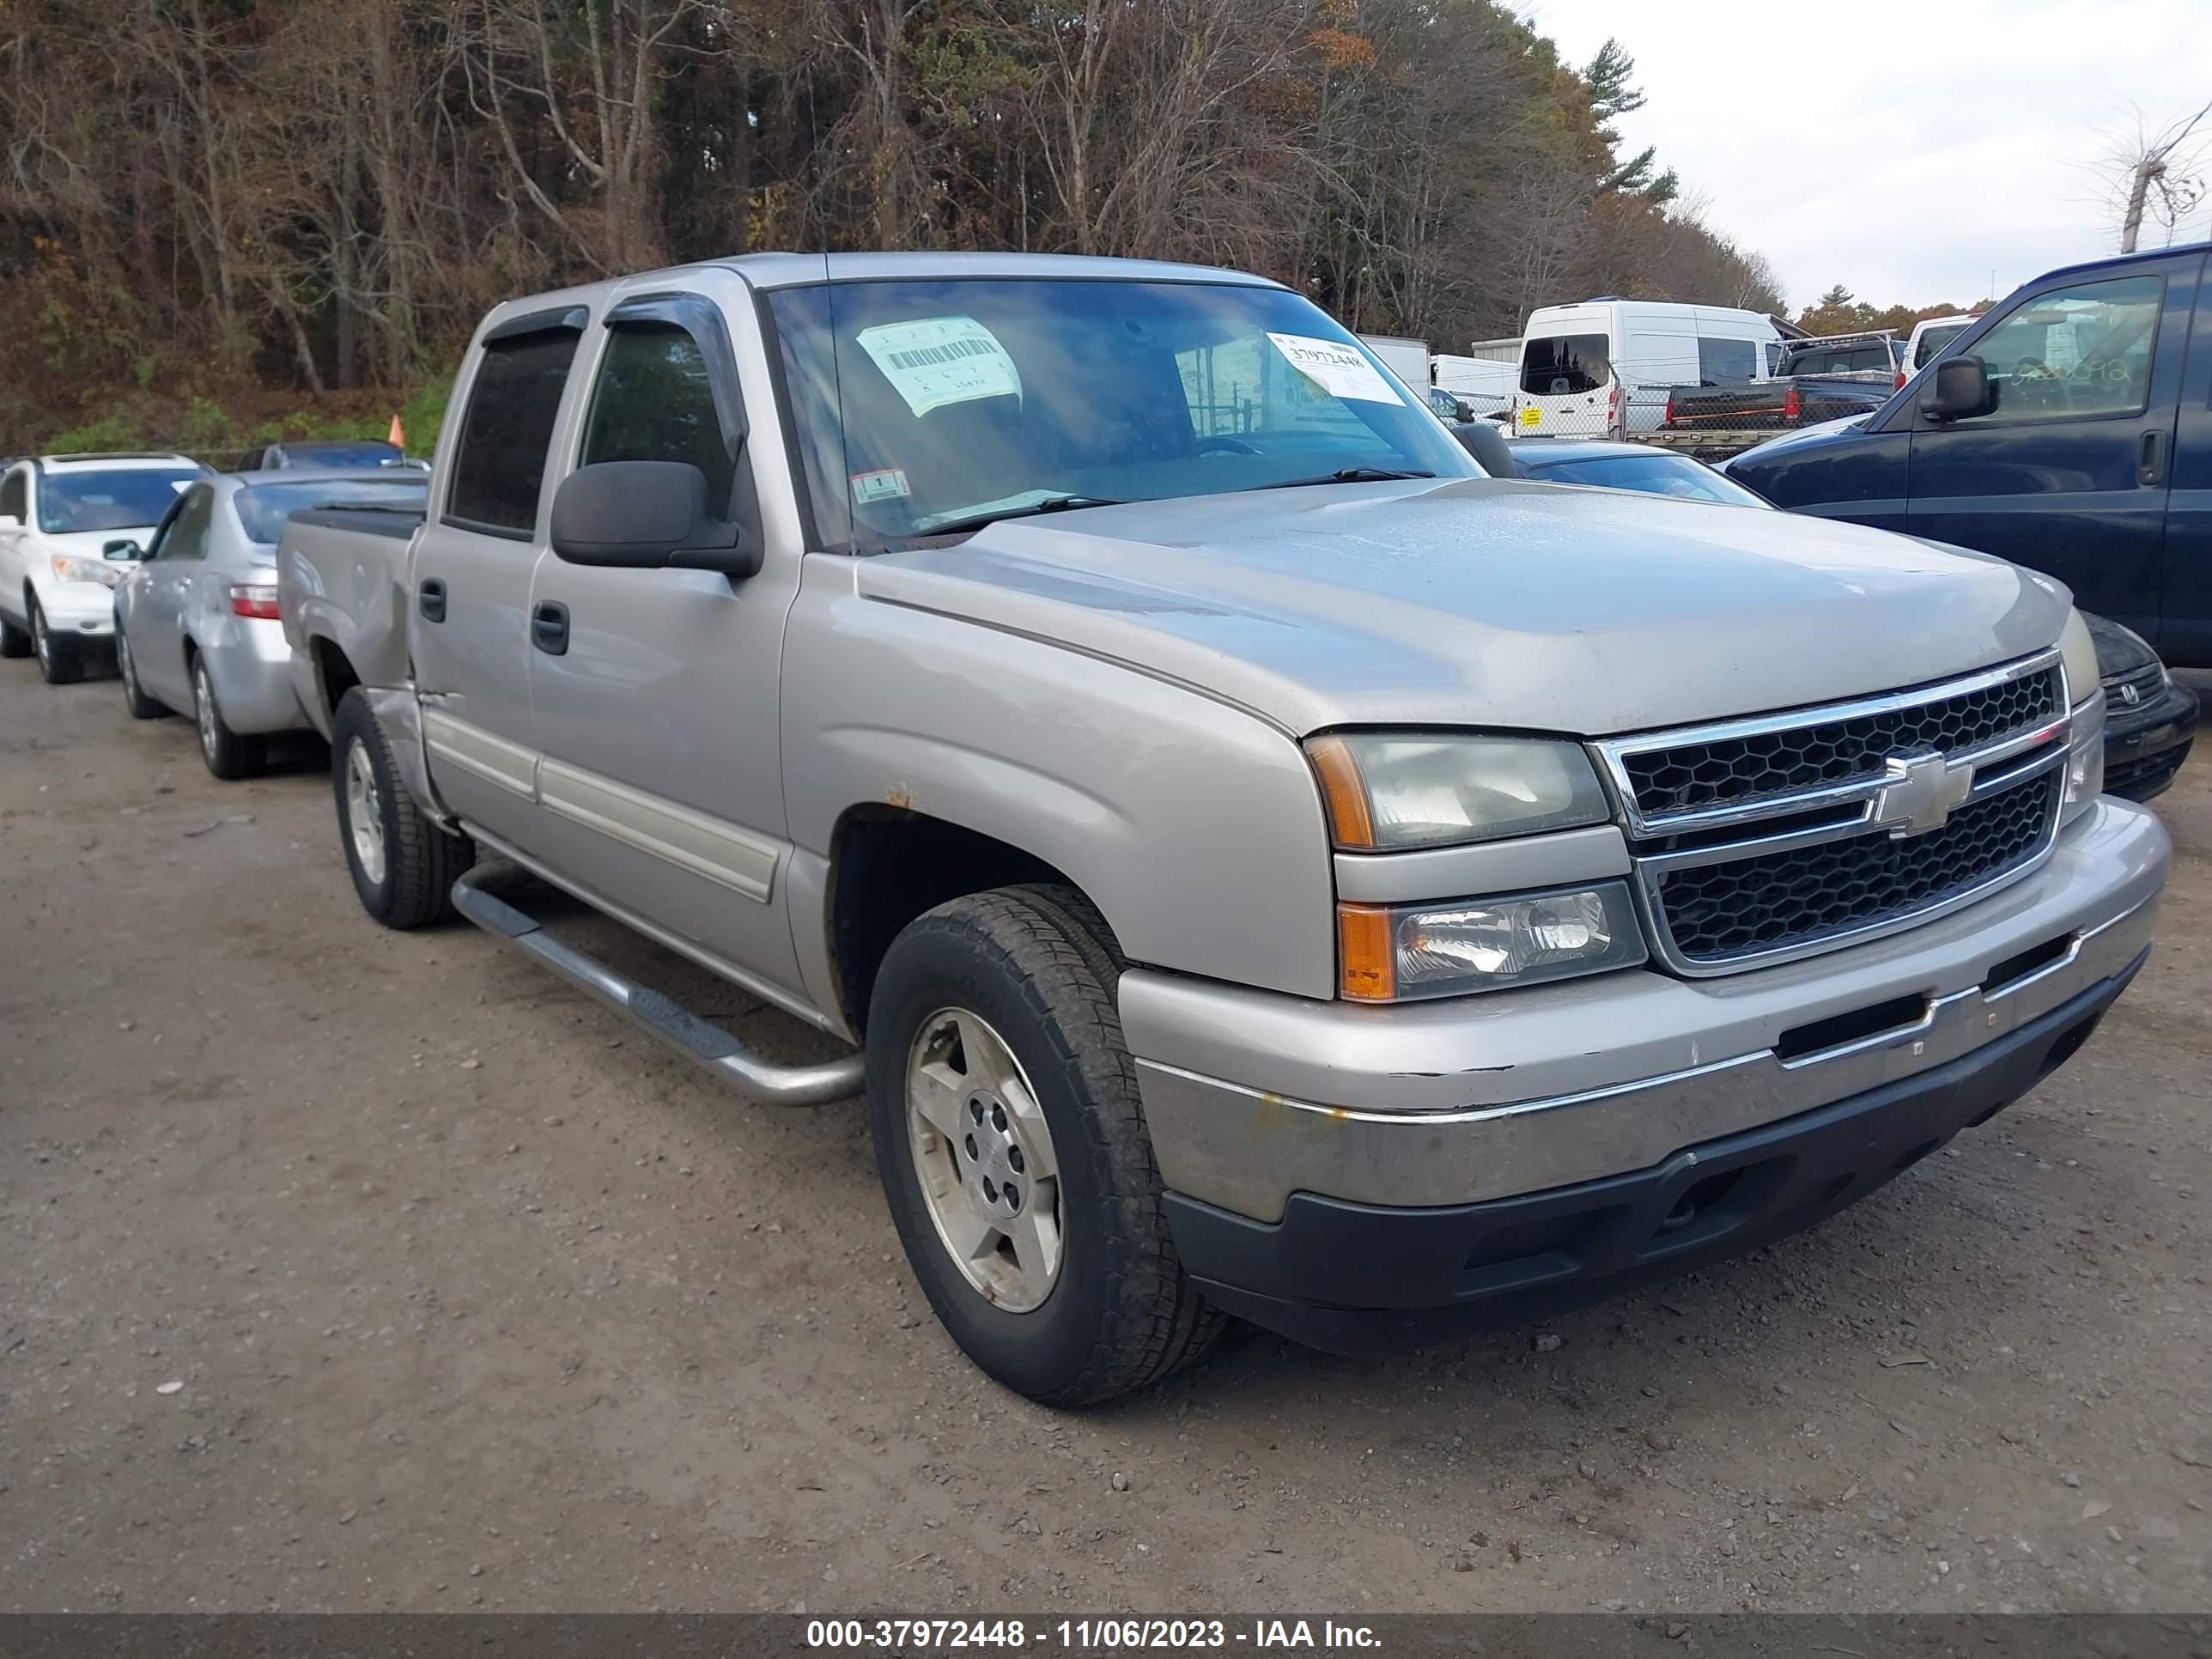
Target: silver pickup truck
1262, 865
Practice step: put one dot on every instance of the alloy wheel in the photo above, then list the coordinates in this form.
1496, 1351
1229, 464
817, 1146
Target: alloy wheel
983, 1152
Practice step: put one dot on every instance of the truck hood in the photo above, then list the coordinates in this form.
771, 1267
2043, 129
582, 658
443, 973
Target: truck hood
1484, 602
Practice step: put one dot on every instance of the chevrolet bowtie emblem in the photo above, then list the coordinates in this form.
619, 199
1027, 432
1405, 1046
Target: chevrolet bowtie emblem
1918, 792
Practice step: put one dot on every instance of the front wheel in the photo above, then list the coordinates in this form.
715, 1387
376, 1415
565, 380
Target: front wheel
1011, 1145
60, 662
142, 706
403, 865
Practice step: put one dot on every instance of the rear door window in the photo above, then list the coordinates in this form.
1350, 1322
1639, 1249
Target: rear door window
499, 466
1564, 365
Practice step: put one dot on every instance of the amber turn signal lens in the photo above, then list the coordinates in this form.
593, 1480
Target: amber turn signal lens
1343, 791
1367, 966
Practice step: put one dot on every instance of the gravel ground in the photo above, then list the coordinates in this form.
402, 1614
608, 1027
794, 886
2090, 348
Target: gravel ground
349, 1270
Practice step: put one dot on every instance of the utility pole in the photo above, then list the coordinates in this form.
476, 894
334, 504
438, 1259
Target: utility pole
2152, 167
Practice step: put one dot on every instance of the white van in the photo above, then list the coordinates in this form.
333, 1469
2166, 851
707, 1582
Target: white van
1603, 368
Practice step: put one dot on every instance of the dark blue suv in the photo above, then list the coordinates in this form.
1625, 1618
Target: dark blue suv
2069, 430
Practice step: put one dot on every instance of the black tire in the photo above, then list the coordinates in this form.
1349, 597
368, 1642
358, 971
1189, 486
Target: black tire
14, 642
59, 660
420, 861
1038, 964
142, 706
227, 754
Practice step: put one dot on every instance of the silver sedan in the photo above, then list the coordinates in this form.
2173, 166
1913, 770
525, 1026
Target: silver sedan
195, 622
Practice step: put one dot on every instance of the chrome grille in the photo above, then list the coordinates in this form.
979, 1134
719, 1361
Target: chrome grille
1715, 913
1777, 836
1728, 770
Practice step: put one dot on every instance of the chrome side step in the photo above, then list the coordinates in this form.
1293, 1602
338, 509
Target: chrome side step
696, 1039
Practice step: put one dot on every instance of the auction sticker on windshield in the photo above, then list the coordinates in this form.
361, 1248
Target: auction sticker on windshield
940, 361
1339, 370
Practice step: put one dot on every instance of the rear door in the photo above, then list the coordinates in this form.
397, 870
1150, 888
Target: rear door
470, 632
656, 691
2070, 472
2184, 633
1565, 380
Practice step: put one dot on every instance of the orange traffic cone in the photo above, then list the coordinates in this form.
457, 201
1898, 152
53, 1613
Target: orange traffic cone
398, 436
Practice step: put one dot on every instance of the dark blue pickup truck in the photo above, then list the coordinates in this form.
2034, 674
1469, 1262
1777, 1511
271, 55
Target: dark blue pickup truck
2069, 430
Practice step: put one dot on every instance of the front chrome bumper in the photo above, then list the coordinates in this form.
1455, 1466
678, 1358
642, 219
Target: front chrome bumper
1251, 1097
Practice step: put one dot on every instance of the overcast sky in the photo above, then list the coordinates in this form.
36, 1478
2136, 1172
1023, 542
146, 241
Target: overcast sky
1906, 149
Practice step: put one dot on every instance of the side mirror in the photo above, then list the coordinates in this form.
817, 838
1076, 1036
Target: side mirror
1463, 409
1487, 444
647, 515
1960, 389
1500, 415
122, 551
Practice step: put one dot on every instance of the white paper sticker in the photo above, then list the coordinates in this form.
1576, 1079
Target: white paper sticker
1339, 370
940, 361
883, 486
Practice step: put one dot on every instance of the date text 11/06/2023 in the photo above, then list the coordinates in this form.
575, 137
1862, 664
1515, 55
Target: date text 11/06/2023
1083, 1635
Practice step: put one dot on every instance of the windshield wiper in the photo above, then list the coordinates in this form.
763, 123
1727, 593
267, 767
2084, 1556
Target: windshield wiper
1348, 474
1050, 504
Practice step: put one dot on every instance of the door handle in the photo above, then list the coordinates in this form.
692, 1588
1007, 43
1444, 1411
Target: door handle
549, 628
430, 599
2150, 466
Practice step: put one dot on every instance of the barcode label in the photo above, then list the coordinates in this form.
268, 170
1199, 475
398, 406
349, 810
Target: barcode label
951, 351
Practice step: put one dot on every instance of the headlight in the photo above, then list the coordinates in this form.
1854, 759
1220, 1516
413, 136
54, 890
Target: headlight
2085, 760
2079, 654
1389, 792
71, 567
1398, 953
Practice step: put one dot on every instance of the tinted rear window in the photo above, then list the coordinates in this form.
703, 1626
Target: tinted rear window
1564, 365
500, 465
1840, 360
1934, 340
262, 508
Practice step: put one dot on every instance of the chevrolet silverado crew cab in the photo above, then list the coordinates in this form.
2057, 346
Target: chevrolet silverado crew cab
1261, 864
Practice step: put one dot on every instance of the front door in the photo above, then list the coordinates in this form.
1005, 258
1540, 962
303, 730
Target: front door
2069, 473
177, 554
470, 632
661, 777
2185, 635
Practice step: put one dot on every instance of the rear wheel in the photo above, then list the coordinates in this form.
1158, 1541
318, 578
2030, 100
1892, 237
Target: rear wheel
1012, 1148
142, 706
403, 865
227, 754
58, 658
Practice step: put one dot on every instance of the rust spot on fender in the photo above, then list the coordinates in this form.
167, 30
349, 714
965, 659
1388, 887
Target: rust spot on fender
899, 796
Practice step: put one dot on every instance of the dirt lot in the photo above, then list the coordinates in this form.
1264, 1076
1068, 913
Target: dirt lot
349, 1270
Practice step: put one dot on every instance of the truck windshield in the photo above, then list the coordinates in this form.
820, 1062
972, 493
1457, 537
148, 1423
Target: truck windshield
132, 498
934, 407
262, 508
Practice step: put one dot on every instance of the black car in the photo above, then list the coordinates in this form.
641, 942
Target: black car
2151, 721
